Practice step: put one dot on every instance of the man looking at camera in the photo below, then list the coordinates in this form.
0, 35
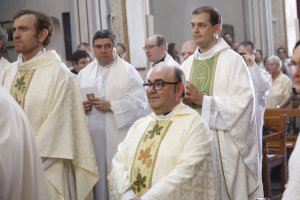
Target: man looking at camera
116, 99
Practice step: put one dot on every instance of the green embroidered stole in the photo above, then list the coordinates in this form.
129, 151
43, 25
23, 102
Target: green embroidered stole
202, 76
146, 155
20, 85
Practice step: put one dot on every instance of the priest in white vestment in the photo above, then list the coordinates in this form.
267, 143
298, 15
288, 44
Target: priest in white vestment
21, 175
118, 100
167, 154
261, 82
156, 52
44, 87
220, 88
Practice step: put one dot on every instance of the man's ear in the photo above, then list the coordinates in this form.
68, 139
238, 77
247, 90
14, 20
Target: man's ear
180, 90
43, 35
163, 47
218, 29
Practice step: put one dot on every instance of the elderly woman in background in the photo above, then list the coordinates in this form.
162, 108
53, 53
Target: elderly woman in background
281, 87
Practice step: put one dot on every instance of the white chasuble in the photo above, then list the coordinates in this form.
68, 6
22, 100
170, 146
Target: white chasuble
165, 157
3, 65
47, 92
21, 175
230, 114
121, 85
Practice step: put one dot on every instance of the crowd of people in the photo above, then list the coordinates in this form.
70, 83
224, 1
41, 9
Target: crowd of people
191, 130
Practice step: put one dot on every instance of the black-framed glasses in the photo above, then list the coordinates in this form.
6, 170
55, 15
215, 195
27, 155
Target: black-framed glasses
158, 84
148, 47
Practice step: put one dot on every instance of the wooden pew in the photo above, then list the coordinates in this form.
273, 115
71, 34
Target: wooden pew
274, 153
290, 113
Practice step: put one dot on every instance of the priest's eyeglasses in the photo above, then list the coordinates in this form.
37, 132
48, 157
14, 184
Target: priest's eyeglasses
148, 47
158, 84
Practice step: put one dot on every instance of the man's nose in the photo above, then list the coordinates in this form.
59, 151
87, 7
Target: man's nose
16, 34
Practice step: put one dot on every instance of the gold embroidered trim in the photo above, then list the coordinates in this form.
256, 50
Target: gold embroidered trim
20, 85
146, 155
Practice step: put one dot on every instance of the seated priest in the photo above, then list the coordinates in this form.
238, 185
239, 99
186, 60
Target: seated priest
167, 154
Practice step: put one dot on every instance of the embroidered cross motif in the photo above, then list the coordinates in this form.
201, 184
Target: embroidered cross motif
201, 77
155, 131
21, 84
139, 182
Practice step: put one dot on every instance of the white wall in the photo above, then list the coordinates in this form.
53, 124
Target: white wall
53, 8
173, 18
136, 26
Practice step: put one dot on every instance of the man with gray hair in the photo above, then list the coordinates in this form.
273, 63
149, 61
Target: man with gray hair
156, 51
3, 62
188, 48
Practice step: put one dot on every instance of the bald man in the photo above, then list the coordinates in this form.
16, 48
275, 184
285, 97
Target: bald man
188, 48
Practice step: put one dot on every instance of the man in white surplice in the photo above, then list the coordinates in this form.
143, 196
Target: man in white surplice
21, 175
221, 89
167, 154
156, 52
44, 87
261, 82
116, 99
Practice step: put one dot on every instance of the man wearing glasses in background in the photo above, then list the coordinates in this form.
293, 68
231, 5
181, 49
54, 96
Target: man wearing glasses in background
113, 99
156, 51
167, 154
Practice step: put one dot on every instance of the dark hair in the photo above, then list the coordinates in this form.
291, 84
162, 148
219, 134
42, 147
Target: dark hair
280, 49
260, 51
160, 39
171, 47
3, 38
104, 34
85, 44
215, 16
179, 77
247, 43
296, 45
77, 55
43, 21
122, 45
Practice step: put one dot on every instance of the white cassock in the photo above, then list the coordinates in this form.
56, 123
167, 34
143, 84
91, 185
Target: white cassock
292, 191
261, 82
48, 93
168, 61
121, 85
21, 175
179, 164
230, 114
281, 89
3, 65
